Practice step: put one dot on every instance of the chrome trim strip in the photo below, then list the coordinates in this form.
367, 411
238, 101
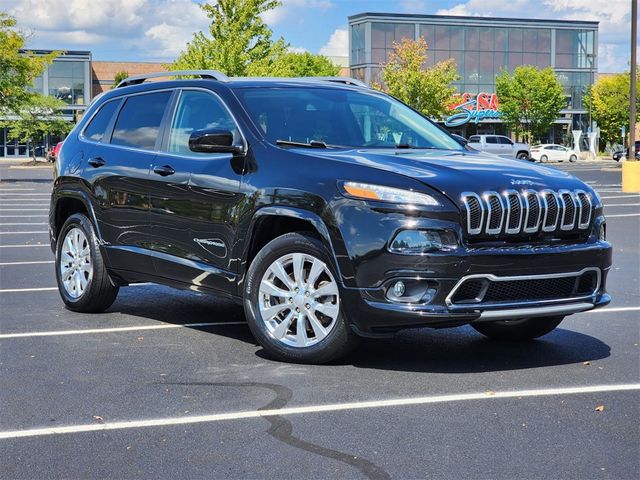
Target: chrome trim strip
519, 313
495, 278
464, 196
487, 196
543, 195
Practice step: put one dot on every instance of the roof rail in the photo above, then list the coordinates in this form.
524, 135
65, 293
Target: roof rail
345, 80
138, 79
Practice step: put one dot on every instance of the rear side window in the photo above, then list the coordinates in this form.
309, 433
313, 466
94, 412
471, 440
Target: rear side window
98, 125
491, 139
474, 139
139, 120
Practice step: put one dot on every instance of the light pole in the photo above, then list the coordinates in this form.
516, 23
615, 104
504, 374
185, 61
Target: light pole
631, 168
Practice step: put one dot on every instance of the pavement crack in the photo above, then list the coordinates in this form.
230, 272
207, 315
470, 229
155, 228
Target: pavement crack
282, 429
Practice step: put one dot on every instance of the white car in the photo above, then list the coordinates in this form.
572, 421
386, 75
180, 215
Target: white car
552, 151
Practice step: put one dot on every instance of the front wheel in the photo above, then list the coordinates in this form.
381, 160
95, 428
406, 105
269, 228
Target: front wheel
292, 302
82, 277
573, 158
518, 330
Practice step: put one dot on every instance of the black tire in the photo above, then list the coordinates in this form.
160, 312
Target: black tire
522, 156
544, 159
339, 341
518, 330
573, 158
100, 292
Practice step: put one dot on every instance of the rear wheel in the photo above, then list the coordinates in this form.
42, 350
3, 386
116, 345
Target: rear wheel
544, 159
292, 302
518, 330
573, 158
82, 277
522, 156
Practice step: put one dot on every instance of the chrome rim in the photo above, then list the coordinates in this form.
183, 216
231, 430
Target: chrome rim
299, 300
76, 268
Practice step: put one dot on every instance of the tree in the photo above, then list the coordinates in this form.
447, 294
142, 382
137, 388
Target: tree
237, 37
38, 116
609, 100
118, 77
428, 90
18, 69
530, 99
293, 64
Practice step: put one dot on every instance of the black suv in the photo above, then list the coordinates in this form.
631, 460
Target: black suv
330, 210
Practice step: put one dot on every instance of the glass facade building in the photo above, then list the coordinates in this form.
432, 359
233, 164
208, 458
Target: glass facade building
481, 48
67, 78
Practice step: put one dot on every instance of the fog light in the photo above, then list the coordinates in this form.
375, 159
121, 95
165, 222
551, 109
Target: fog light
602, 231
399, 288
415, 242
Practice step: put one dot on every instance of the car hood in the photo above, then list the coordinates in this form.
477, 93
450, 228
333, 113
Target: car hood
453, 172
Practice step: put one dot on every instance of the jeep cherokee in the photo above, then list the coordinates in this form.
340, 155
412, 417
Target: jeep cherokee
329, 210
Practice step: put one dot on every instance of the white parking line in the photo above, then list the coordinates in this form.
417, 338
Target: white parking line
624, 215
23, 209
309, 409
620, 196
7, 224
20, 216
25, 194
21, 233
614, 309
35, 262
163, 326
16, 290
25, 246
622, 205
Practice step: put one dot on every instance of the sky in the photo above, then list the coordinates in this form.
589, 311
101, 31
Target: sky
157, 30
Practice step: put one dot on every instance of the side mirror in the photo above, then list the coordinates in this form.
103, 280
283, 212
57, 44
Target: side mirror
213, 140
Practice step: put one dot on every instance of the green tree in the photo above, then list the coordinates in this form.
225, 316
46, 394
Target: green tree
119, 76
18, 69
37, 117
428, 90
293, 64
609, 100
237, 37
530, 100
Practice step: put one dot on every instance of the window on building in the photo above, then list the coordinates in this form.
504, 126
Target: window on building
139, 120
66, 81
383, 37
197, 111
357, 44
98, 125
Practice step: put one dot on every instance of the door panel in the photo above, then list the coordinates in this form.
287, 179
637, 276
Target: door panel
193, 210
119, 176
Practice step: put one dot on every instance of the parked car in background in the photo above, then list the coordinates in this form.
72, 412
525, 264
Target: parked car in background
621, 153
552, 152
53, 153
499, 145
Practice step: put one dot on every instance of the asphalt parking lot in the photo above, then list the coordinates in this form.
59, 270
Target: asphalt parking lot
170, 384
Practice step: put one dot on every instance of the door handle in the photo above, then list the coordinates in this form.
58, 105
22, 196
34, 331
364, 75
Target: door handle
164, 170
96, 162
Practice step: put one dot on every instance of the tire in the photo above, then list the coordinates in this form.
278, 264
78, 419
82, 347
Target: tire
92, 290
544, 159
329, 336
573, 158
522, 156
518, 330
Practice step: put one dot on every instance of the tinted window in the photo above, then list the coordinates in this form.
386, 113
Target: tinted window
474, 139
197, 111
491, 139
139, 120
337, 117
97, 127
505, 141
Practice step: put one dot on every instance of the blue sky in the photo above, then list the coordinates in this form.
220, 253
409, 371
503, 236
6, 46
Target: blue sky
156, 30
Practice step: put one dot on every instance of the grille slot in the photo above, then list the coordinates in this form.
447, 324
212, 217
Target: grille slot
526, 212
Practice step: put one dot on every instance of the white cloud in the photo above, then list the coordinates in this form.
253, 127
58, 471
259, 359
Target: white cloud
293, 11
297, 49
338, 44
413, 6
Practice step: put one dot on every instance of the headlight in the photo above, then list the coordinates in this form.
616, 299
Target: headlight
367, 191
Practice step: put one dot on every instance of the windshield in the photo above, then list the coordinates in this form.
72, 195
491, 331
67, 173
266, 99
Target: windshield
342, 118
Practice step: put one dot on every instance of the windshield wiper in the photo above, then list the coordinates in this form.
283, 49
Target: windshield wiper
414, 147
311, 144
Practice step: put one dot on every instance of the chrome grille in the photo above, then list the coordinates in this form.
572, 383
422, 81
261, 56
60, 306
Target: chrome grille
514, 212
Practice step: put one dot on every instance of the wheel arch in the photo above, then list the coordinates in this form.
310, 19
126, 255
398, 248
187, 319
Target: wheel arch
66, 203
